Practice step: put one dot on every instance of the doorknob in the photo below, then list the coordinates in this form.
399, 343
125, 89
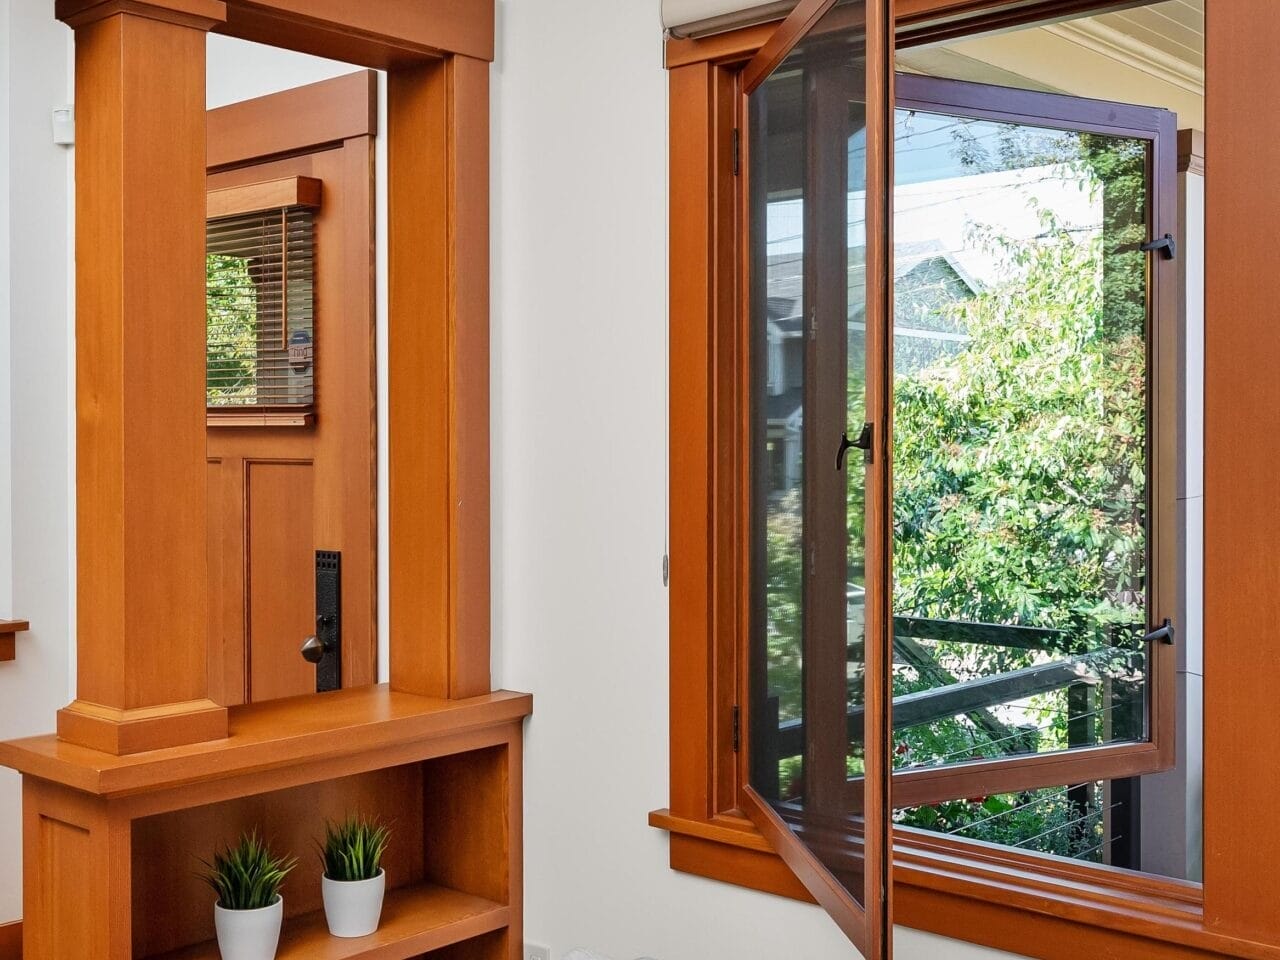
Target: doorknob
314, 649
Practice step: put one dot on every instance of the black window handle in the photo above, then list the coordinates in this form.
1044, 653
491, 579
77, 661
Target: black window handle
1161, 634
863, 443
1167, 246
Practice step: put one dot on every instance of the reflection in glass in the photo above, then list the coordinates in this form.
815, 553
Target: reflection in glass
1020, 458
808, 176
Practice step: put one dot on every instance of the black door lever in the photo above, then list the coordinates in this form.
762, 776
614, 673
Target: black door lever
863, 443
1162, 633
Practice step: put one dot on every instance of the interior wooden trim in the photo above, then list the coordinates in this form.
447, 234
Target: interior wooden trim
299, 120
918, 22
267, 195
9, 630
200, 14
389, 34
248, 417
438, 377
266, 736
11, 940
1191, 152
782, 41
1042, 907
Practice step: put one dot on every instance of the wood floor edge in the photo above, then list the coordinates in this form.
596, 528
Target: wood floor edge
11, 940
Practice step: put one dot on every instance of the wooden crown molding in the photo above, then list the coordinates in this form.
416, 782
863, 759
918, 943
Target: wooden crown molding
200, 14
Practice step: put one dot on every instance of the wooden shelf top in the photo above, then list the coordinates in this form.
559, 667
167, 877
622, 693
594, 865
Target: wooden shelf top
415, 920
267, 736
13, 626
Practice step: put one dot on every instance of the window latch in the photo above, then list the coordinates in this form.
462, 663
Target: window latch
1166, 245
1162, 634
863, 443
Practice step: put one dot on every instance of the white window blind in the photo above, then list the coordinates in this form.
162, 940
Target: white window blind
260, 309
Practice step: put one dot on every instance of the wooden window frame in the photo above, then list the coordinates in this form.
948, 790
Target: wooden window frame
1034, 905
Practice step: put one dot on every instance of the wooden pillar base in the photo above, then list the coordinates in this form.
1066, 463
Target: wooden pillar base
122, 732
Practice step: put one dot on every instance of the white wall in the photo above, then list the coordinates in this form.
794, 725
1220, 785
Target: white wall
35, 362
580, 512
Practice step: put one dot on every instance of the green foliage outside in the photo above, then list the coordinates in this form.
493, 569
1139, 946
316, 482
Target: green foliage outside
1020, 499
231, 318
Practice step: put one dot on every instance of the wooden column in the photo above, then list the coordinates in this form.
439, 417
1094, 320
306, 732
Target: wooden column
142, 590
439, 377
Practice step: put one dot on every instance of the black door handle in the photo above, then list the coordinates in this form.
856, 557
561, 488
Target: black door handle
1161, 634
863, 443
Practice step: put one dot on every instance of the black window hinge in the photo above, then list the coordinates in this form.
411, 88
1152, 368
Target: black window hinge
737, 724
737, 151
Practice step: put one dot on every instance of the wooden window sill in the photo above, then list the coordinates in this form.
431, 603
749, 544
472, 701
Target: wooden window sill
9, 630
1044, 907
248, 417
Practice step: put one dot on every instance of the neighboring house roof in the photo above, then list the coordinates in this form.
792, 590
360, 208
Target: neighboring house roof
786, 274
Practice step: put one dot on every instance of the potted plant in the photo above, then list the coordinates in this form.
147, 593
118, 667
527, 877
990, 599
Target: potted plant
249, 909
354, 882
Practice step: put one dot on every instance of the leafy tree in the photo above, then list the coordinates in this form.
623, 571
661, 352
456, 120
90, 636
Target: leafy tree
231, 319
1020, 495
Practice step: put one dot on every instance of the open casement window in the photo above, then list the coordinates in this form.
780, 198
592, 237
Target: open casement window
818, 108
961, 542
1034, 444
259, 267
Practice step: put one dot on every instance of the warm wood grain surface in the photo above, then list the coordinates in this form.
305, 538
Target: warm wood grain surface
414, 920
279, 733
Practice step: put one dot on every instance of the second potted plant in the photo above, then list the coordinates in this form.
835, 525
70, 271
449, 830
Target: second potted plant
249, 908
354, 882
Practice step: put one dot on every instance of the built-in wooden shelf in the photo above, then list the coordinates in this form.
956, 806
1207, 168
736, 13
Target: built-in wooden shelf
445, 773
415, 920
9, 630
348, 725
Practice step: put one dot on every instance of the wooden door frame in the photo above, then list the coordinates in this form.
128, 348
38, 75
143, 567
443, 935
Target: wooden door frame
143, 62
336, 114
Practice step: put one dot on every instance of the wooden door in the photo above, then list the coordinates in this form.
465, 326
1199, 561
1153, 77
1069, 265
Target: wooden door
282, 487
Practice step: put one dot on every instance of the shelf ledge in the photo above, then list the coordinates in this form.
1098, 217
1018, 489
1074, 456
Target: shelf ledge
9, 630
415, 920
274, 735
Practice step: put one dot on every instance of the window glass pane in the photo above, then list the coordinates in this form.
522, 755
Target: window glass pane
1020, 440
809, 297
259, 309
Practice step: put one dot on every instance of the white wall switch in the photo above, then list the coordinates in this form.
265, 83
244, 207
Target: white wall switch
64, 125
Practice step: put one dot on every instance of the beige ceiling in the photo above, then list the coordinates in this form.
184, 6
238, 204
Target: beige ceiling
1152, 55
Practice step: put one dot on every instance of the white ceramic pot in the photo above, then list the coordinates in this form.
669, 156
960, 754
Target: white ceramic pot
249, 934
353, 907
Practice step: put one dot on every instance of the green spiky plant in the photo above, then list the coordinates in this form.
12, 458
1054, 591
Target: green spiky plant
352, 850
247, 876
